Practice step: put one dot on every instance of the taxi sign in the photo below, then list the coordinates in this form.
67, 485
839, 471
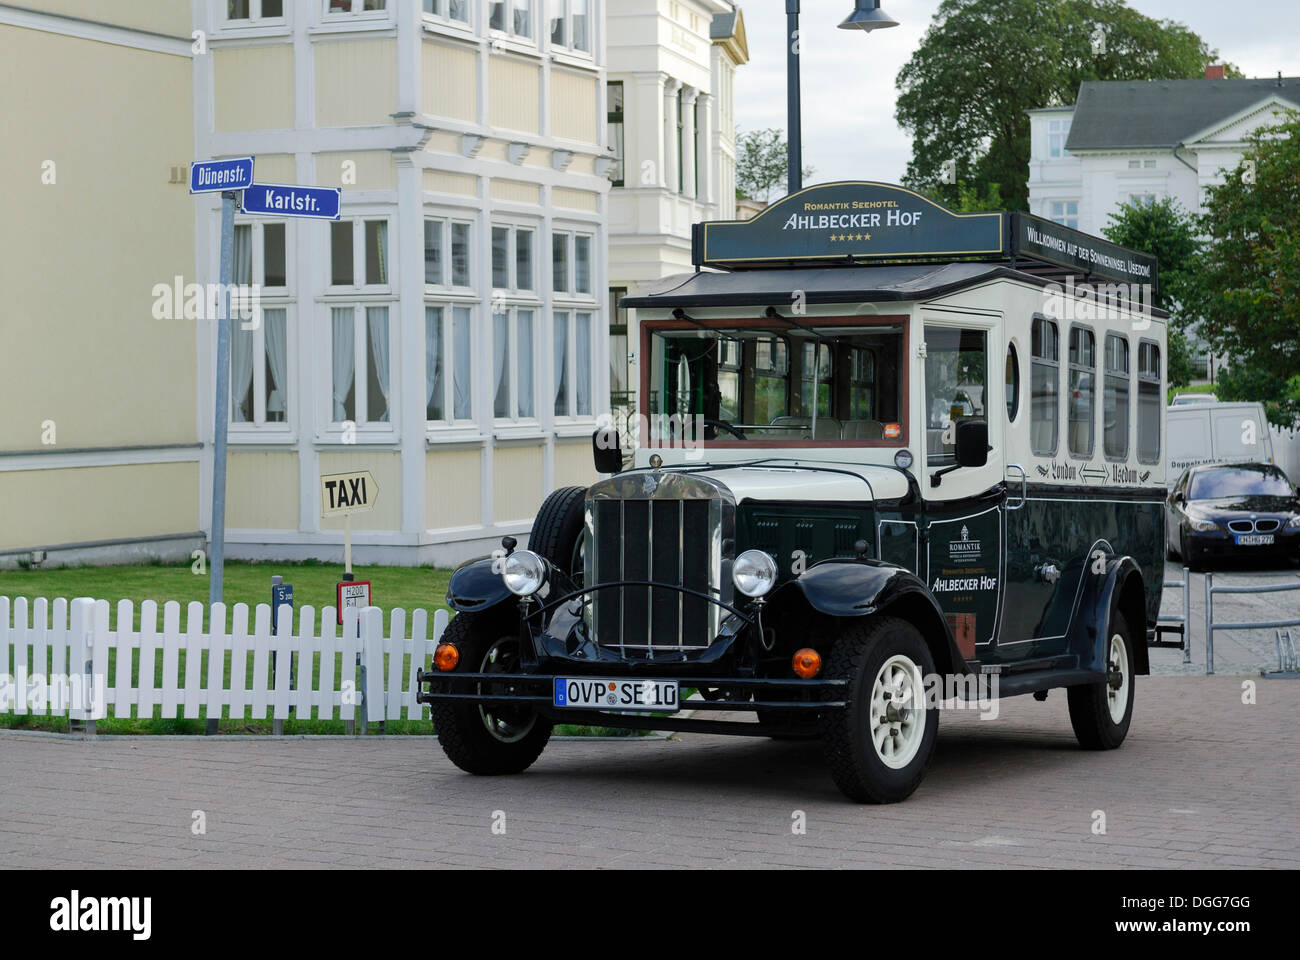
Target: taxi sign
342, 493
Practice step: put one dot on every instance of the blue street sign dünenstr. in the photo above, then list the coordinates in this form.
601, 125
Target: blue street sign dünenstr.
282, 200
216, 176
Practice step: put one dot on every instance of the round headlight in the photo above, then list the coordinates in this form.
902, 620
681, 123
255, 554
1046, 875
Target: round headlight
754, 573
903, 459
524, 573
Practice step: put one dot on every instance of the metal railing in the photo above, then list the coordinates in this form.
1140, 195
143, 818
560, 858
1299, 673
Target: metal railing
1211, 625
1184, 622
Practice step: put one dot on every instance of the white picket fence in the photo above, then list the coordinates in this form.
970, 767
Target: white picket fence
59, 658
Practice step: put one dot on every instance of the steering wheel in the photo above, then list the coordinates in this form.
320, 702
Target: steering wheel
723, 424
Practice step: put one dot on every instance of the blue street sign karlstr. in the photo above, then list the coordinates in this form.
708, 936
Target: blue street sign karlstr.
283, 200
217, 176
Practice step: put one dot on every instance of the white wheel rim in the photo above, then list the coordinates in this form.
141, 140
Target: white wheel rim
1117, 694
897, 716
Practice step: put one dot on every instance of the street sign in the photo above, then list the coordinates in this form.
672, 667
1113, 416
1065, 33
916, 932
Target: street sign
281, 593
347, 493
351, 593
284, 200
217, 176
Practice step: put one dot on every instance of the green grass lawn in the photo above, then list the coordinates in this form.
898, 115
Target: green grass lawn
410, 588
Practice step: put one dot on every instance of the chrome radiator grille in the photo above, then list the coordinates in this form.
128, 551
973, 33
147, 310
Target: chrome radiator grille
666, 528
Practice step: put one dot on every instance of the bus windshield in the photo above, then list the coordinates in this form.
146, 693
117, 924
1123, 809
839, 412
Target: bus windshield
759, 386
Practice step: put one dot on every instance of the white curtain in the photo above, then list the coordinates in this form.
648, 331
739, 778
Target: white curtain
433, 362
560, 324
344, 360
241, 370
582, 370
524, 323
461, 369
500, 351
277, 359
243, 265
377, 321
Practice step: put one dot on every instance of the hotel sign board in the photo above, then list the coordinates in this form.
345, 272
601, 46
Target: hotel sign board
1039, 239
864, 222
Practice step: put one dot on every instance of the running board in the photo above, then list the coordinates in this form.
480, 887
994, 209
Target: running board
1018, 685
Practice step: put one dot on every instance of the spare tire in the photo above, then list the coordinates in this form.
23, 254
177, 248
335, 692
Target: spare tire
557, 531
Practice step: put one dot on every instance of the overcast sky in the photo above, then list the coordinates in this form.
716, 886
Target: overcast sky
849, 130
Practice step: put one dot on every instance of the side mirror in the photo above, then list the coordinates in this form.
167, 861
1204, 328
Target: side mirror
605, 451
972, 443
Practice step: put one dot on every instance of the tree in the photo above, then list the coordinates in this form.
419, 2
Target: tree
763, 164
983, 63
1167, 231
1246, 285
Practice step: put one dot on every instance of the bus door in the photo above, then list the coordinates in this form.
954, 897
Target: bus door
963, 527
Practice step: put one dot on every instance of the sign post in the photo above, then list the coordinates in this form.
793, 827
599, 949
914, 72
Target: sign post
227, 177
345, 494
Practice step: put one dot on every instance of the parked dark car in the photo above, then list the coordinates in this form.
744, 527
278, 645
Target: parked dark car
1238, 510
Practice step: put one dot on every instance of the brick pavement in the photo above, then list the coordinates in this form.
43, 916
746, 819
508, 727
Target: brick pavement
1203, 781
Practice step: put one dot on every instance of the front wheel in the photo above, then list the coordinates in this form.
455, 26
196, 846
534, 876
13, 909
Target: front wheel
879, 745
488, 738
1100, 712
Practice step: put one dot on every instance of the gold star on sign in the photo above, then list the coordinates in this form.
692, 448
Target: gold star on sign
867, 235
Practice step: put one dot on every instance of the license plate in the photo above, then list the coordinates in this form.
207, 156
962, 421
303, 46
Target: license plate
1254, 539
593, 693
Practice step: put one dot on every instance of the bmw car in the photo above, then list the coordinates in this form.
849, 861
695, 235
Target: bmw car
1239, 510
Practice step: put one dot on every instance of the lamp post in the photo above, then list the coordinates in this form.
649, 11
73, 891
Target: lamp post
866, 15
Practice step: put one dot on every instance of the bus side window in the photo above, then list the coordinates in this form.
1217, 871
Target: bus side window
1115, 397
1150, 402
1044, 387
1083, 380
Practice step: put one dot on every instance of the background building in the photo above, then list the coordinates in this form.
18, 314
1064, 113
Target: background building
99, 444
672, 129
448, 335
1126, 141
1140, 141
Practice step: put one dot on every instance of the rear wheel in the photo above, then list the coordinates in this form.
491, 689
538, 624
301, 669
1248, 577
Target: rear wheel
878, 747
488, 738
1100, 712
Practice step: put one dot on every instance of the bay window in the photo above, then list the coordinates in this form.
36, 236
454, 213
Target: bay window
570, 24
571, 263
513, 17
572, 333
512, 257
359, 254
448, 9
446, 253
259, 387
252, 11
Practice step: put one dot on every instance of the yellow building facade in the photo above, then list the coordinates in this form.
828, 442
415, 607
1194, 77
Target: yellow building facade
449, 333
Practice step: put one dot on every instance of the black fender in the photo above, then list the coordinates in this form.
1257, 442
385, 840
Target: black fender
842, 587
1118, 587
475, 587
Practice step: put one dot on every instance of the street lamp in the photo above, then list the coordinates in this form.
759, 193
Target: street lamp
866, 15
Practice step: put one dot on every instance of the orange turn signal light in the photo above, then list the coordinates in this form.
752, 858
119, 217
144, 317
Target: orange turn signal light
807, 663
446, 656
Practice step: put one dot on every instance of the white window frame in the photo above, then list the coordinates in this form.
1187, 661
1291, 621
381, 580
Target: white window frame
359, 284
357, 12
514, 362
441, 13
259, 427
446, 222
509, 30
512, 287
365, 427
1064, 218
448, 338
254, 18
570, 291
566, 12
569, 317
1058, 131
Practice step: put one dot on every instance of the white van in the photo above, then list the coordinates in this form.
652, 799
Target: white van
1216, 433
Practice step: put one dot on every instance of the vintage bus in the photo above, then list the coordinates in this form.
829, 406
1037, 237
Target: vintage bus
881, 451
